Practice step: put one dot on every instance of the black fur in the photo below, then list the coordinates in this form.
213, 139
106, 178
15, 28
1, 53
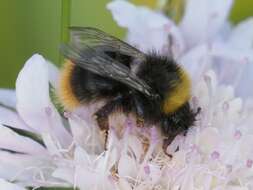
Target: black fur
160, 73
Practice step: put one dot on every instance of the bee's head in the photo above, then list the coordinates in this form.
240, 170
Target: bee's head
179, 121
168, 80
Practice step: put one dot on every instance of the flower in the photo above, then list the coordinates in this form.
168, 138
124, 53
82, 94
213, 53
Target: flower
41, 146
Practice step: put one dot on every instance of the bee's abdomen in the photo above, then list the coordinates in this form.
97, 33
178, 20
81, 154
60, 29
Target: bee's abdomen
66, 94
79, 86
179, 95
167, 79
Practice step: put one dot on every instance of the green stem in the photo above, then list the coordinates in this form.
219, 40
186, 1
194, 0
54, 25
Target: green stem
65, 21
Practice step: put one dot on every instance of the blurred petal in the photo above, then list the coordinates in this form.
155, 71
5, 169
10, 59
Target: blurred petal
19, 167
84, 170
126, 14
242, 35
53, 74
33, 101
8, 97
65, 174
12, 119
80, 130
127, 166
209, 138
196, 61
51, 145
141, 19
203, 19
225, 51
5, 185
12, 141
239, 64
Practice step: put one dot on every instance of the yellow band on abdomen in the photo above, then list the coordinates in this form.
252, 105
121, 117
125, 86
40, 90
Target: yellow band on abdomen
66, 95
179, 95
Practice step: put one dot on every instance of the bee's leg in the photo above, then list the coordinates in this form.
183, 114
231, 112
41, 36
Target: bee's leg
166, 143
139, 112
103, 113
103, 124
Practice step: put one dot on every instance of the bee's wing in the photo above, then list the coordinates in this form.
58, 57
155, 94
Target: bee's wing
83, 36
92, 57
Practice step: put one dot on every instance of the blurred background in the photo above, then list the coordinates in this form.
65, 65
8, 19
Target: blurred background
39, 26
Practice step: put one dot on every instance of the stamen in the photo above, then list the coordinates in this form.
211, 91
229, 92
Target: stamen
48, 111
249, 163
215, 155
237, 134
147, 169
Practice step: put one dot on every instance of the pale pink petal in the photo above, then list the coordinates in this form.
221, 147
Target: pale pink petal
203, 19
12, 119
66, 174
20, 167
127, 166
234, 187
224, 51
242, 35
141, 21
8, 97
136, 146
196, 61
84, 170
80, 130
224, 33
238, 63
33, 101
5, 185
124, 185
245, 145
51, 144
12, 141
208, 139
126, 14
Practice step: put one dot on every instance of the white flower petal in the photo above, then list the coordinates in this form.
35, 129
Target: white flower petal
12, 141
82, 132
12, 119
5, 185
136, 146
126, 14
239, 64
127, 166
140, 19
234, 187
51, 144
246, 146
65, 174
242, 35
225, 51
33, 101
8, 97
20, 167
84, 170
196, 61
208, 139
124, 185
201, 25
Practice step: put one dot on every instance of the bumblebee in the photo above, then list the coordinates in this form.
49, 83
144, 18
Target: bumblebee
101, 67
